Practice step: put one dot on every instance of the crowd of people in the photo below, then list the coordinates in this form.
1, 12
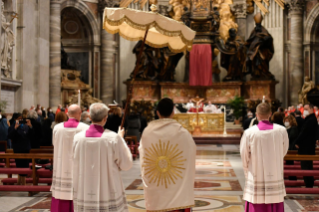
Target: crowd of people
88, 161
302, 126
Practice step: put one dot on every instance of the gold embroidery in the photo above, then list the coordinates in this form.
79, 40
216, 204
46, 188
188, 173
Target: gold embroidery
163, 163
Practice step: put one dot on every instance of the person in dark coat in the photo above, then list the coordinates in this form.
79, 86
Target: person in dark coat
135, 125
51, 115
306, 141
114, 120
299, 119
292, 130
14, 117
247, 121
37, 129
44, 114
4, 132
46, 133
21, 134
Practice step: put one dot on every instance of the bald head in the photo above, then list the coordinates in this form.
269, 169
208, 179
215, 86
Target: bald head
75, 112
263, 111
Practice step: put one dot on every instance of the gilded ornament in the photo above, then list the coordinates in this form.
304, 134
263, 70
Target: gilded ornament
163, 163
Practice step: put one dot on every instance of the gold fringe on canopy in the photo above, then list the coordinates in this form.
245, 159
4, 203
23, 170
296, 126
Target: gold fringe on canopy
176, 36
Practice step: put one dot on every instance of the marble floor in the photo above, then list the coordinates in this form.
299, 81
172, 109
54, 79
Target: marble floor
218, 187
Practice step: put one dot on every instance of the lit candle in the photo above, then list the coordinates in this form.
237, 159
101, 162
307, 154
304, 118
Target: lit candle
264, 99
79, 97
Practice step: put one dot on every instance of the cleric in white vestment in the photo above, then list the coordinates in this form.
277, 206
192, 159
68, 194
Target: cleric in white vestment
99, 157
262, 149
210, 108
63, 134
167, 154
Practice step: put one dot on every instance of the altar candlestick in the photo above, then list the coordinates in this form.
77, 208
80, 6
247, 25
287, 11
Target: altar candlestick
264, 100
79, 98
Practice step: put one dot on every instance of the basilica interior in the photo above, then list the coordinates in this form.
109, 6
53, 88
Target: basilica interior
228, 56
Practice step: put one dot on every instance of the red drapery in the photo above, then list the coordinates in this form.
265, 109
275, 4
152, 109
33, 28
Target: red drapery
200, 65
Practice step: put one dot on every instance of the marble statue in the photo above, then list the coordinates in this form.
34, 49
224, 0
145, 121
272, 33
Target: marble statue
156, 64
88, 99
226, 21
149, 62
233, 57
6, 44
307, 86
215, 68
260, 51
168, 64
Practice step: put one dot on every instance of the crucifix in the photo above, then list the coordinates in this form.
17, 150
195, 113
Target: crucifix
14, 15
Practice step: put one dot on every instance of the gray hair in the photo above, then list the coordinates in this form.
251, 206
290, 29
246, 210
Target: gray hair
98, 111
83, 115
33, 114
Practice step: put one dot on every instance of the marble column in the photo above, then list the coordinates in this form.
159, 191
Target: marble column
107, 67
55, 54
0, 45
240, 11
108, 50
296, 49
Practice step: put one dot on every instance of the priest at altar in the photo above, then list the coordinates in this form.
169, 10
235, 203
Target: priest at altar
210, 108
167, 153
262, 150
99, 157
63, 134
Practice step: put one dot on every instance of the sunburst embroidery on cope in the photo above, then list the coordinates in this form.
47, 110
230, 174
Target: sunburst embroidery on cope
163, 163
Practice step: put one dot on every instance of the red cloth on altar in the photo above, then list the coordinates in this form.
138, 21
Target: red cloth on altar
59, 205
200, 65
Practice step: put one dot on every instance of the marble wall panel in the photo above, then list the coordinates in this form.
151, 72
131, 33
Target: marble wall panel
43, 53
127, 64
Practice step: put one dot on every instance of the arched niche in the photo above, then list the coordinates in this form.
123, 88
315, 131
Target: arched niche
311, 45
80, 37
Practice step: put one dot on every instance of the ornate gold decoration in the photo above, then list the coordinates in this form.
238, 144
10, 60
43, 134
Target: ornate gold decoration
208, 122
307, 86
163, 163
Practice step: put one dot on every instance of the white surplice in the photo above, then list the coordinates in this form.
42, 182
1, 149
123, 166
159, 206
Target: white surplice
167, 154
210, 109
262, 153
96, 172
62, 140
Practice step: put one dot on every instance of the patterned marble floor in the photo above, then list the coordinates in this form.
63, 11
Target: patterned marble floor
218, 187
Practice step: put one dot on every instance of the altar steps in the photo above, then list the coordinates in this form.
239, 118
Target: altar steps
217, 139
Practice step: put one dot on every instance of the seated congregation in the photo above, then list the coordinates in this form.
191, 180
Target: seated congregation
82, 168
